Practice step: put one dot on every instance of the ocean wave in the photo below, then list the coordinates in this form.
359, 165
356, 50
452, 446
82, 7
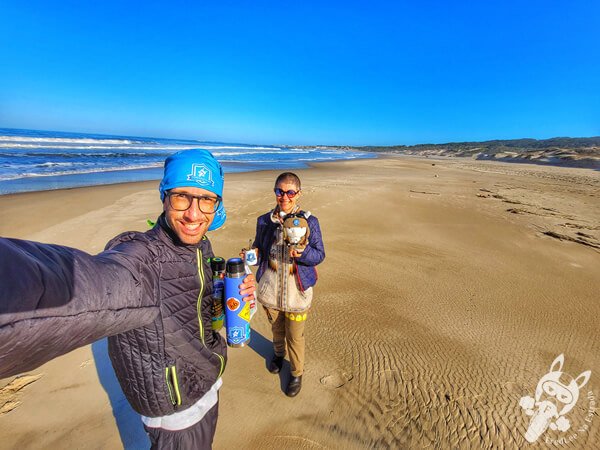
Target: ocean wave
71, 140
110, 144
84, 155
157, 151
290, 158
253, 161
234, 147
260, 152
133, 146
15, 176
55, 164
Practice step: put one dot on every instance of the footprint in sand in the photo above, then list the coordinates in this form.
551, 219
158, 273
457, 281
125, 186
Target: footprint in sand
8, 393
336, 380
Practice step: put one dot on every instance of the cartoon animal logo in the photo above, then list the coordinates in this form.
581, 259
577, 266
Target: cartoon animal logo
555, 395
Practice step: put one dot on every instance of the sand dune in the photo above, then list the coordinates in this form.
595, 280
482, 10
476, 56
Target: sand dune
448, 289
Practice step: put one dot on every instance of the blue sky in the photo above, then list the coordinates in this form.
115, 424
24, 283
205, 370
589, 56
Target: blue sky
303, 72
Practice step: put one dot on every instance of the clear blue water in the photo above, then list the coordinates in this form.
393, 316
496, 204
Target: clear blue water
32, 160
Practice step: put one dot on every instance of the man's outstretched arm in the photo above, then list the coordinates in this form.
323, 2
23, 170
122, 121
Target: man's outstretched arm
54, 299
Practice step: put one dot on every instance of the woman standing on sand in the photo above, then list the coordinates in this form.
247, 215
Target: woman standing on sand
286, 274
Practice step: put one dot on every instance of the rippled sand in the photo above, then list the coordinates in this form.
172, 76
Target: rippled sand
448, 289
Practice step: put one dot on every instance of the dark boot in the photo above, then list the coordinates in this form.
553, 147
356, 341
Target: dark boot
275, 364
294, 386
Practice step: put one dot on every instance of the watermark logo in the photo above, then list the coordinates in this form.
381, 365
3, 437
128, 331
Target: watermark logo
201, 175
555, 396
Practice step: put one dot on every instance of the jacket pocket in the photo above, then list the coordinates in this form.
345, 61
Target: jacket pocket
298, 300
173, 385
267, 289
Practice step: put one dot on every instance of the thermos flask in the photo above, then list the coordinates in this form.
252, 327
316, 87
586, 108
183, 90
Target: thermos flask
237, 311
217, 265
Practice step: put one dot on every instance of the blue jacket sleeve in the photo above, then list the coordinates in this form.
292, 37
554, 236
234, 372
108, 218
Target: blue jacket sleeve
54, 299
257, 236
314, 253
261, 239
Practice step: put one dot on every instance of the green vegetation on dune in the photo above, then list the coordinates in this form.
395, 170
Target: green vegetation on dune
588, 146
561, 151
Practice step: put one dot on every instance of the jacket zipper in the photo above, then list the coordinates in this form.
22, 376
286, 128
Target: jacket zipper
199, 259
173, 385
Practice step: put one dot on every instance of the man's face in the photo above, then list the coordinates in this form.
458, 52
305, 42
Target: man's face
189, 225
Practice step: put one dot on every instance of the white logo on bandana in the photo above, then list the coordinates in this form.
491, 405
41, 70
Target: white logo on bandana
201, 175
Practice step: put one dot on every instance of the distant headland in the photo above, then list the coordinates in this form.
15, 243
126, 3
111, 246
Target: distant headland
561, 151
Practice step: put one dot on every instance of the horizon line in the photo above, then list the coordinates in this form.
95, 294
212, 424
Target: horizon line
301, 145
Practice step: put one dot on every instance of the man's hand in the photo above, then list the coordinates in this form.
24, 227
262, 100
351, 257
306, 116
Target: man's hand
248, 287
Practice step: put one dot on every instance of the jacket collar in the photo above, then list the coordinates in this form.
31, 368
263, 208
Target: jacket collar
274, 215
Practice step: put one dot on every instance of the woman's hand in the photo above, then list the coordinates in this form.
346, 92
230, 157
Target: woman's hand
248, 287
296, 252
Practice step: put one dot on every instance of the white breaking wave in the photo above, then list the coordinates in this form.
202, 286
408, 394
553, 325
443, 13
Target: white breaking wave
233, 147
80, 171
66, 140
100, 147
55, 164
234, 150
260, 152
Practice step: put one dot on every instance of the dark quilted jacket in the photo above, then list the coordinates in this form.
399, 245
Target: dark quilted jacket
146, 291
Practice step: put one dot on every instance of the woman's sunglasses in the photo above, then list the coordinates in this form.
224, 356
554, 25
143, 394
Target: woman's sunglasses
291, 193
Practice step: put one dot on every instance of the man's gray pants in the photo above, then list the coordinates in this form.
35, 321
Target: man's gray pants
199, 436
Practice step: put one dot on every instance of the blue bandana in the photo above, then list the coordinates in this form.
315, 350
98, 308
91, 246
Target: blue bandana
195, 168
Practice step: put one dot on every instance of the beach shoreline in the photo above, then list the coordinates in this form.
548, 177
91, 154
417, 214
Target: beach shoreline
441, 302
34, 160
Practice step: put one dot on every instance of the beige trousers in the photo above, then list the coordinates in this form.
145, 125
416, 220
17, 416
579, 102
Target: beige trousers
288, 328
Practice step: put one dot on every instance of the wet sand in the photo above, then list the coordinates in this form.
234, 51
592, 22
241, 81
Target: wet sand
448, 289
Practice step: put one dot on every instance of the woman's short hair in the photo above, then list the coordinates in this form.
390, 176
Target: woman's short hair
288, 177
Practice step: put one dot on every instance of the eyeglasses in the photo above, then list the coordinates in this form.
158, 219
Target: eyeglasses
291, 193
181, 201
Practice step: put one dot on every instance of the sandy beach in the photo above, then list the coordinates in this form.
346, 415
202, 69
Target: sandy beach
449, 288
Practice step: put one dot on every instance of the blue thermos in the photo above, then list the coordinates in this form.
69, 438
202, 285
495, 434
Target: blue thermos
237, 311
